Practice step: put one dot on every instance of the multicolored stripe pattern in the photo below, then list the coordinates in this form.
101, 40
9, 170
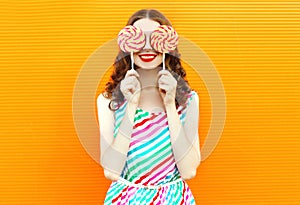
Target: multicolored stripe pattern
150, 161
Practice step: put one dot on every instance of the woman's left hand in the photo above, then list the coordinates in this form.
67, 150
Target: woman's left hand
167, 85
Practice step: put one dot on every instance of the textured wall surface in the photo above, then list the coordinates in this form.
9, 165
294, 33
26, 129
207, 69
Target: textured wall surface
253, 45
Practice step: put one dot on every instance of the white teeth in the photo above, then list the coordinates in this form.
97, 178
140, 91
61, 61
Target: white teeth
147, 57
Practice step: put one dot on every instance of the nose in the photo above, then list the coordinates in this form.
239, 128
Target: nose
147, 45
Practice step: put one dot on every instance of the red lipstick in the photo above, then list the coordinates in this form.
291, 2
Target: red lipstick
147, 57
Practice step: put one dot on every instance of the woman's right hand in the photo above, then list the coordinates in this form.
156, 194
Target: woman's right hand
131, 87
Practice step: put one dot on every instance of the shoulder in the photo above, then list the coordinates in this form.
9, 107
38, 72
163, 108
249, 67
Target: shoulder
192, 96
101, 97
191, 102
102, 101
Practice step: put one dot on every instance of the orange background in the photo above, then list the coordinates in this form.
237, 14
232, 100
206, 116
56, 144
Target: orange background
254, 46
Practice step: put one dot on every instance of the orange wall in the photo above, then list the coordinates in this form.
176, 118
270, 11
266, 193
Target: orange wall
255, 49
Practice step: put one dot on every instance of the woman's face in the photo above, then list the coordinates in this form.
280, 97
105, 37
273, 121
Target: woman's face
147, 58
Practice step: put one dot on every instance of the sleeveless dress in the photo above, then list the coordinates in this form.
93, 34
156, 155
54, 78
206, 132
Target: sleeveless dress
150, 175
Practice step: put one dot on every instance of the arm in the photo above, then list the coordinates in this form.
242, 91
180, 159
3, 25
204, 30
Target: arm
184, 138
113, 151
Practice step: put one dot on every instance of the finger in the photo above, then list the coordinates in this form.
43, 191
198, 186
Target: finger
162, 91
135, 82
131, 79
163, 81
163, 73
165, 88
168, 77
132, 72
130, 88
166, 80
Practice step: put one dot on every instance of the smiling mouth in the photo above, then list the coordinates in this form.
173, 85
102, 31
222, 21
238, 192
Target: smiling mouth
147, 57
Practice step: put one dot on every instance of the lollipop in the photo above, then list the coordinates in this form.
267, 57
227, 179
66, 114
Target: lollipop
131, 39
164, 39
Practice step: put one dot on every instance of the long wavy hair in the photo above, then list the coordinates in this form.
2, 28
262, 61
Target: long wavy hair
123, 63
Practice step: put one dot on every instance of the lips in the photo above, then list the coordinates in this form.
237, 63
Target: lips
147, 57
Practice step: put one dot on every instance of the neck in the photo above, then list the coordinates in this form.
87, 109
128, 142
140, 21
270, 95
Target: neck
148, 77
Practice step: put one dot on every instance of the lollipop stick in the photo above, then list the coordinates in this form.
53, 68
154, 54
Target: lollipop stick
132, 61
164, 61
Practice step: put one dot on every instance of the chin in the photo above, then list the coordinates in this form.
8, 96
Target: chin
147, 66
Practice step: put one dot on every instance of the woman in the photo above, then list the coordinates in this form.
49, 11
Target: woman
149, 125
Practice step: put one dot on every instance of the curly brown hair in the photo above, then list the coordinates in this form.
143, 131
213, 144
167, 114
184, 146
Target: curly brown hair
122, 65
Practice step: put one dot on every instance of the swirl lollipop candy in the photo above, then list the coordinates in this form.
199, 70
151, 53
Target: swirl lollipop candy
164, 39
131, 39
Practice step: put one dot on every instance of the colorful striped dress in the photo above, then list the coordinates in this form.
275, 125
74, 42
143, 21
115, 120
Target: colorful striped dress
150, 175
